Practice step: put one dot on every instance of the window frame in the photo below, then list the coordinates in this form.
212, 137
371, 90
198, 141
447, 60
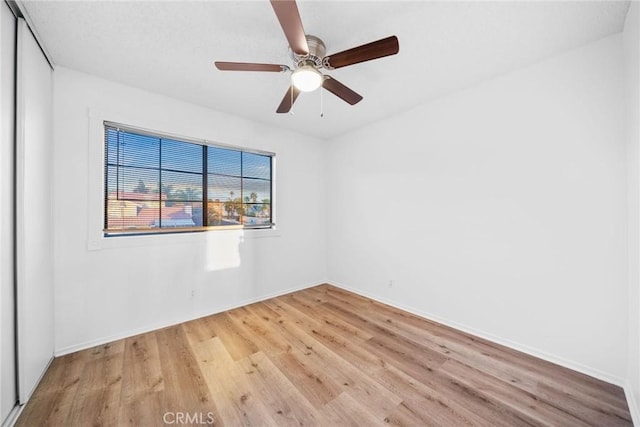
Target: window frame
109, 233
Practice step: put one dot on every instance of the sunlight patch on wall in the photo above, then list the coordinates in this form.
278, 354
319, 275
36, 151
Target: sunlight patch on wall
223, 249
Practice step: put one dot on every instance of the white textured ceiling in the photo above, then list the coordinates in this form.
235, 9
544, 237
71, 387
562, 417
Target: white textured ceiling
168, 47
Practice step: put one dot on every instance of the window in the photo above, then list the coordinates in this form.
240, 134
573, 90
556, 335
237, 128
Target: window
161, 183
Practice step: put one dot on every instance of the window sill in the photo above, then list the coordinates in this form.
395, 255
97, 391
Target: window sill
139, 240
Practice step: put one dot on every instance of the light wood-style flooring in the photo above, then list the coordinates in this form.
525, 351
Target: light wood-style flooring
320, 356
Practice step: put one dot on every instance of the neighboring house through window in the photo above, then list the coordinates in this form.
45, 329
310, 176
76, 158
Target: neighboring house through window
163, 183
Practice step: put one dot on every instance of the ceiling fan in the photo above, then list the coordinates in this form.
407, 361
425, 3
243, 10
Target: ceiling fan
308, 54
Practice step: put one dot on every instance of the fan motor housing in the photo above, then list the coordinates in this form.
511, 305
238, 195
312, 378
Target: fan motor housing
317, 51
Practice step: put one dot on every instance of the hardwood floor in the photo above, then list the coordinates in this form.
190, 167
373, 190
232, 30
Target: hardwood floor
321, 356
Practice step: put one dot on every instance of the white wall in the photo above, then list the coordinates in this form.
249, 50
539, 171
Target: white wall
113, 287
631, 43
8, 395
500, 209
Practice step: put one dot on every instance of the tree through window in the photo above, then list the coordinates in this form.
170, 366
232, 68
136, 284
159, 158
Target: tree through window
155, 182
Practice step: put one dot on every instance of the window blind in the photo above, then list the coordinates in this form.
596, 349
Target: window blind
162, 183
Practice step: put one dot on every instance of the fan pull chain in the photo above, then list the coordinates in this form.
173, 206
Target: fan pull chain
321, 102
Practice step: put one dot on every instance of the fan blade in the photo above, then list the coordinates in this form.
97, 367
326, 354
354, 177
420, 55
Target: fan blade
249, 66
341, 91
289, 17
366, 52
288, 100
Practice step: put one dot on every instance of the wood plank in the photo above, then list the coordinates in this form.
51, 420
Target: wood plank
185, 388
143, 373
590, 410
321, 317
526, 406
346, 411
454, 397
238, 344
378, 400
432, 406
53, 398
343, 344
238, 400
97, 398
247, 323
142, 400
292, 314
199, 330
288, 405
410, 364
406, 416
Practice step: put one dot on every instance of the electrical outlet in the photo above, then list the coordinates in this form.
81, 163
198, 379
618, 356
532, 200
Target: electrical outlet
391, 283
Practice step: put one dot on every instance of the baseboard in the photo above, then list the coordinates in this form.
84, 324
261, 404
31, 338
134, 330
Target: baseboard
558, 360
13, 416
132, 332
632, 401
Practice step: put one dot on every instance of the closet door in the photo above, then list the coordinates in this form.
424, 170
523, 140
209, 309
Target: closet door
34, 212
8, 390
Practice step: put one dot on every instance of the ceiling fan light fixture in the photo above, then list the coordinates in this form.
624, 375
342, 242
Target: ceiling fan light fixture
306, 78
